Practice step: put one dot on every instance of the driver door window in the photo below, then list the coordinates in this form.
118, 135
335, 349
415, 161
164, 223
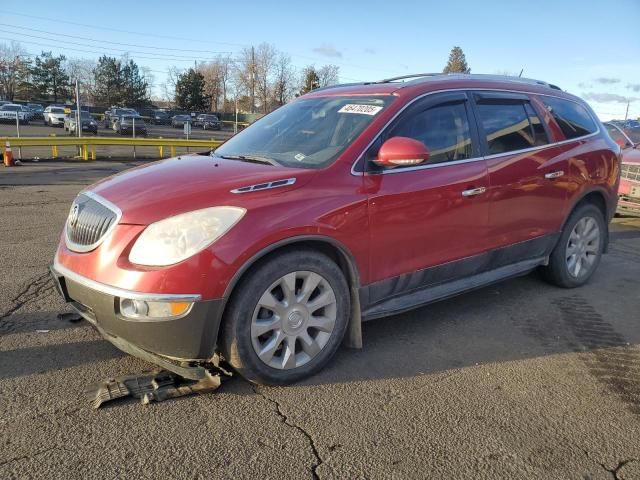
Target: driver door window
444, 129
441, 122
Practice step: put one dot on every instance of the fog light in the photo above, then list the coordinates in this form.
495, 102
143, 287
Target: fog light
133, 308
144, 310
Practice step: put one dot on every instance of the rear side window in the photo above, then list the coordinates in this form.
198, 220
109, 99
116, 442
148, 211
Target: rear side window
573, 118
444, 129
510, 126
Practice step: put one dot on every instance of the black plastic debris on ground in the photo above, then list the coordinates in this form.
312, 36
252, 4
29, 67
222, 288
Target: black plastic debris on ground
71, 317
155, 386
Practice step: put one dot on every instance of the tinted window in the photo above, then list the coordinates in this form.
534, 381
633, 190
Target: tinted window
574, 120
539, 133
444, 129
510, 126
617, 136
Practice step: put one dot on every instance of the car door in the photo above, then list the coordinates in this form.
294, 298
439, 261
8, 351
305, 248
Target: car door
527, 175
431, 214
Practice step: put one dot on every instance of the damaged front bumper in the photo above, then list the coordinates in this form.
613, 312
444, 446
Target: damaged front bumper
184, 345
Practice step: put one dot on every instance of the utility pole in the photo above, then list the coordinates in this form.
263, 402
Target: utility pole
253, 79
626, 114
78, 116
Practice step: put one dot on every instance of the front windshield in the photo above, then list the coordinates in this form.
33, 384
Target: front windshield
307, 133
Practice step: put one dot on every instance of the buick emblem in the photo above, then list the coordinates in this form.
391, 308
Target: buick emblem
73, 215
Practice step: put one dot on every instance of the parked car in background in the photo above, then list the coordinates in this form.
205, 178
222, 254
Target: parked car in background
89, 124
436, 186
178, 121
126, 124
112, 115
629, 189
53, 116
12, 111
160, 117
207, 121
635, 124
37, 109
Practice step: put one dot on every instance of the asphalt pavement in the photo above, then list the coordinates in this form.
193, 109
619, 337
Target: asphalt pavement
517, 380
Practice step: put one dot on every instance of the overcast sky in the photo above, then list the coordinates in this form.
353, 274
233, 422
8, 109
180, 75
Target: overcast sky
589, 48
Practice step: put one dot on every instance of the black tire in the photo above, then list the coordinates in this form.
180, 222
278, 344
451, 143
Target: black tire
557, 272
236, 343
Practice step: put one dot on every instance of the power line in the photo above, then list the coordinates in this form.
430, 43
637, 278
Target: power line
99, 27
20, 27
64, 47
158, 55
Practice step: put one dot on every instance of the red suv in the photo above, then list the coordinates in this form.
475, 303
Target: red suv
350, 203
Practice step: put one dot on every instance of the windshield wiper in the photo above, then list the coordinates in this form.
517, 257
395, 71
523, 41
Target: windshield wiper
250, 158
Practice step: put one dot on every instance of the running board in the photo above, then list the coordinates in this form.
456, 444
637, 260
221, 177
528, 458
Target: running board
441, 291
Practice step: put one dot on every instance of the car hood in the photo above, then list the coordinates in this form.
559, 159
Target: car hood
631, 155
169, 187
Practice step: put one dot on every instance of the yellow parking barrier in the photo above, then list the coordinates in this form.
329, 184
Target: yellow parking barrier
88, 145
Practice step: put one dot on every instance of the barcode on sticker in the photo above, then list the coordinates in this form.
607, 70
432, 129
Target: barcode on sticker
363, 109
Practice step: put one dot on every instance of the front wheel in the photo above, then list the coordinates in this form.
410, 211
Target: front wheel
579, 249
287, 318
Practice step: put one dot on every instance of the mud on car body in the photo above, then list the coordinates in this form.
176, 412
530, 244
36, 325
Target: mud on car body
348, 204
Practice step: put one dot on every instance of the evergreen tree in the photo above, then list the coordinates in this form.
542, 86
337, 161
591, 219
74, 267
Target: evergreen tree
190, 91
457, 62
135, 87
310, 80
49, 78
109, 82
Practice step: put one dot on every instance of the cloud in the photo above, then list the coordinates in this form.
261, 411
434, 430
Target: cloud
608, 98
328, 50
634, 86
607, 80
370, 51
584, 85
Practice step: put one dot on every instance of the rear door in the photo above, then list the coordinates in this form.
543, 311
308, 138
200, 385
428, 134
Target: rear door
528, 177
435, 213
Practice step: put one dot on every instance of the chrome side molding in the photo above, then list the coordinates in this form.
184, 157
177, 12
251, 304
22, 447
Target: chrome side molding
265, 186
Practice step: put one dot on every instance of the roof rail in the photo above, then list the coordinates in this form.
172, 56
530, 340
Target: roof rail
404, 77
319, 89
483, 76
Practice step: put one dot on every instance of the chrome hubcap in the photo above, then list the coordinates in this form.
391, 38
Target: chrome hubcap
293, 320
583, 247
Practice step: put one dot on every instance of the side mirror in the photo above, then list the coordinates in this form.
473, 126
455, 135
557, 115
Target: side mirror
399, 151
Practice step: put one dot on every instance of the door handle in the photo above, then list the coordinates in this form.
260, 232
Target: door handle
473, 191
557, 174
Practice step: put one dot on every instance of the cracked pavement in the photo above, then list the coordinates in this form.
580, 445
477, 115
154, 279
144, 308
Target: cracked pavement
516, 380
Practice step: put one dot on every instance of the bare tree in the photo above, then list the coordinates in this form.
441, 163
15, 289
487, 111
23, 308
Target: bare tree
284, 80
212, 82
168, 88
226, 70
265, 62
150, 79
14, 64
246, 75
328, 75
82, 69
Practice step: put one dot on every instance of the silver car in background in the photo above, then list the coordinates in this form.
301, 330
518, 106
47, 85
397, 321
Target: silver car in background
54, 116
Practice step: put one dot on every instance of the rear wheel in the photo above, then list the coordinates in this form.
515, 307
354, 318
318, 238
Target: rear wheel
287, 318
579, 249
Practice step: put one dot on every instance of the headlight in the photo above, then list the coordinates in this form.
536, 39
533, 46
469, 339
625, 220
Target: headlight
176, 238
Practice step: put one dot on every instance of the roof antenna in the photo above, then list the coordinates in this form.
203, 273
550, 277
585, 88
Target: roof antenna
521, 72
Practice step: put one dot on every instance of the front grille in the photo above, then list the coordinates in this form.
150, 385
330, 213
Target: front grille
630, 172
90, 219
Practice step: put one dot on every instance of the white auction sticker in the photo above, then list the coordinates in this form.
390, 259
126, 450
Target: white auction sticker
363, 109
